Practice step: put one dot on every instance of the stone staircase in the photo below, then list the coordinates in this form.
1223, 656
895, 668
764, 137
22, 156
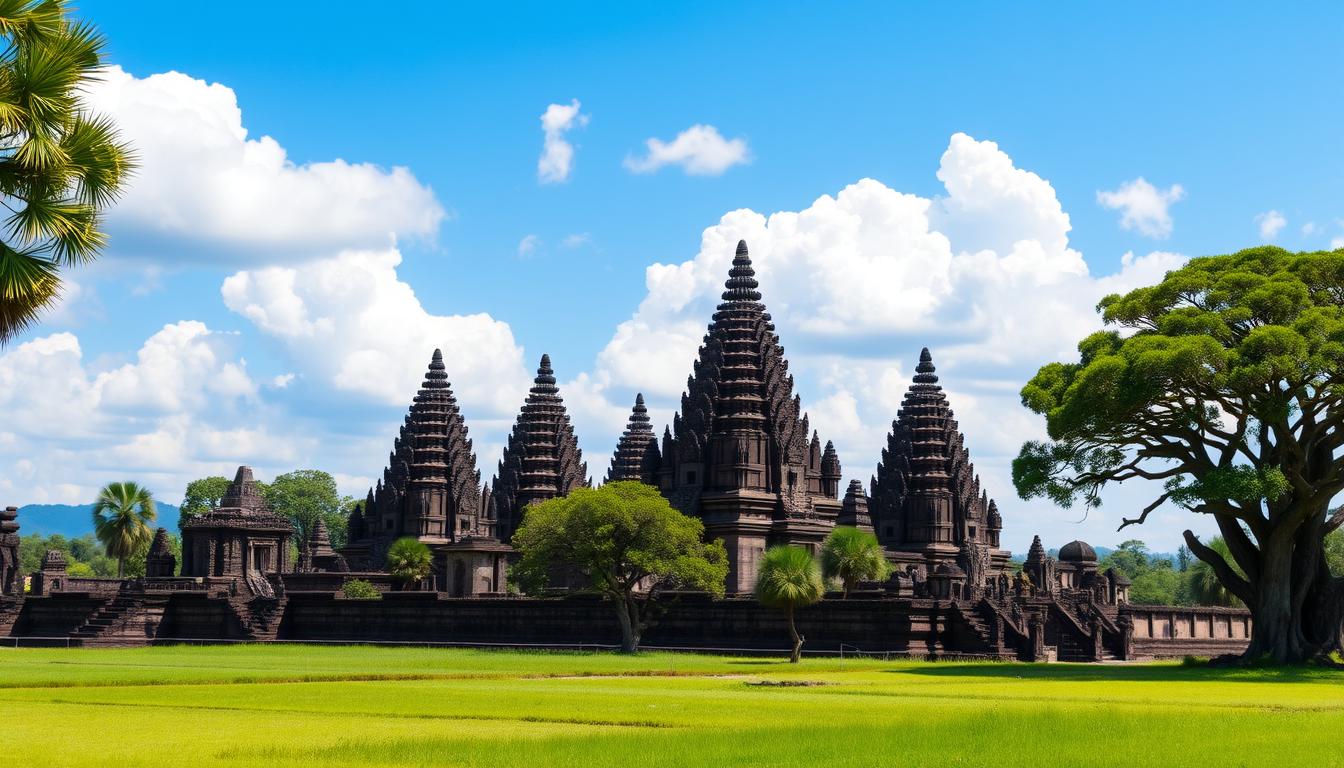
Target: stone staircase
1078, 642
260, 616
976, 628
127, 619
10, 608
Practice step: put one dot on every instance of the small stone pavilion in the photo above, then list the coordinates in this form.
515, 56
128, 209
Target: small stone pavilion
241, 538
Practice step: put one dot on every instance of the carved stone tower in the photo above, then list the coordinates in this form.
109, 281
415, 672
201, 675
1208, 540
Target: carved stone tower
636, 456
738, 454
431, 488
542, 459
926, 502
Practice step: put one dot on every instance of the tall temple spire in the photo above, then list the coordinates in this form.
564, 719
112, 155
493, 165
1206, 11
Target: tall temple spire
636, 456
431, 488
926, 497
542, 459
740, 453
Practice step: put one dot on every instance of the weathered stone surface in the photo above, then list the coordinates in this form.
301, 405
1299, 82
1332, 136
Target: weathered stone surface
542, 459
854, 508
11, 581
160, 562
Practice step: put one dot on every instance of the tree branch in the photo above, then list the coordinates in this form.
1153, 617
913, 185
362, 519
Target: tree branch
1126, 522
1234, 583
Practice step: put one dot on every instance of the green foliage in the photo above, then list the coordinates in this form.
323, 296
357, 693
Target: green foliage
850, 556
409, 560
1159, 585
360, 589
788, 578
616, 538
85, 552
1334, 552
1222, 383
121, 517
305, 495
61, 165
202, 496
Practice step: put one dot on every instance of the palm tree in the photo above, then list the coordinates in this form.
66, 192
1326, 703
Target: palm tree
852, 555
789, 579
1205, 586
408, 560
121, 517
60, 165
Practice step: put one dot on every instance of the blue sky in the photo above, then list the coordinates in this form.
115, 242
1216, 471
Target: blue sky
1230, 118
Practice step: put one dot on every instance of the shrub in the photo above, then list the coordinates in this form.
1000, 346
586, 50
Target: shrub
360, 589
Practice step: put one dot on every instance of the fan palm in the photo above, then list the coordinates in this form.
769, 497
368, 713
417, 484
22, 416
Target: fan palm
60, 165
852, 555
1205, 586
121, 517
789, 579
408, 560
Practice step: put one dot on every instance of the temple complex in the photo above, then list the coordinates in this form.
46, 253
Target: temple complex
738, 455
636, 456
927, 506
542, 459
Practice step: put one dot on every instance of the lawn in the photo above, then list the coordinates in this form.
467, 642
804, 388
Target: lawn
357, 706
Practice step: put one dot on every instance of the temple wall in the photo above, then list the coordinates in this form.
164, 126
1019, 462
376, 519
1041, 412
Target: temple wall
1169, 631
916, 627
874, 626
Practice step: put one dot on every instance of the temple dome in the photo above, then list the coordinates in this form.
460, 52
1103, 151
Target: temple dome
1077, 552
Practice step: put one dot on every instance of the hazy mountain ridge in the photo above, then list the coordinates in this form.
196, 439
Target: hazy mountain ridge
75, 520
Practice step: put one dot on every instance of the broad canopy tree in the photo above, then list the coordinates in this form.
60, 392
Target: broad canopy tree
1224, 383
623, 541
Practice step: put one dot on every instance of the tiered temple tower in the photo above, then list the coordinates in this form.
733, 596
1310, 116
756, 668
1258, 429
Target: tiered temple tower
738, 454
430, 490
854, 508
926, 503
241, 538
636, 456
542, 459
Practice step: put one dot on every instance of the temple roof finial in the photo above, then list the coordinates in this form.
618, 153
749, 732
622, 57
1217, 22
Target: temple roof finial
741, 284
924, 372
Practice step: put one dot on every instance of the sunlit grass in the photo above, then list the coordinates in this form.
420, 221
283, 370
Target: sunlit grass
328, 705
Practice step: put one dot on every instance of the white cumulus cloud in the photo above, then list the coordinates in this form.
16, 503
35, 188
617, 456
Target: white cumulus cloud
352, 324
700, 151
206, 188
1143, 207
857, 283
557, 154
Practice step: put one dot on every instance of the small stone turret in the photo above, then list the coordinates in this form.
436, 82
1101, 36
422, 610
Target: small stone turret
830, 471
854, 509
11, 581
160, 563
320, 556
636, 456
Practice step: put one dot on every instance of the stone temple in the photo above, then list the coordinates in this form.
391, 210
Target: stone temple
740, 455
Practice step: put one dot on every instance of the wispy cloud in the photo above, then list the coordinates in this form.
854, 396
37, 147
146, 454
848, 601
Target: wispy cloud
557, 154
1271, 224
700, 151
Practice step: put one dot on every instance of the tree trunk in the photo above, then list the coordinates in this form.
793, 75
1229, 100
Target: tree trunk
1296, 606
121, 567
797, 638
627, 615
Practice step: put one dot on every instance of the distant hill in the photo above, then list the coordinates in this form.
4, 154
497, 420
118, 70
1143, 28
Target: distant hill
73, 521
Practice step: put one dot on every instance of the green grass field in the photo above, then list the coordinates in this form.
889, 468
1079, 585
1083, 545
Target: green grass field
357, 706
